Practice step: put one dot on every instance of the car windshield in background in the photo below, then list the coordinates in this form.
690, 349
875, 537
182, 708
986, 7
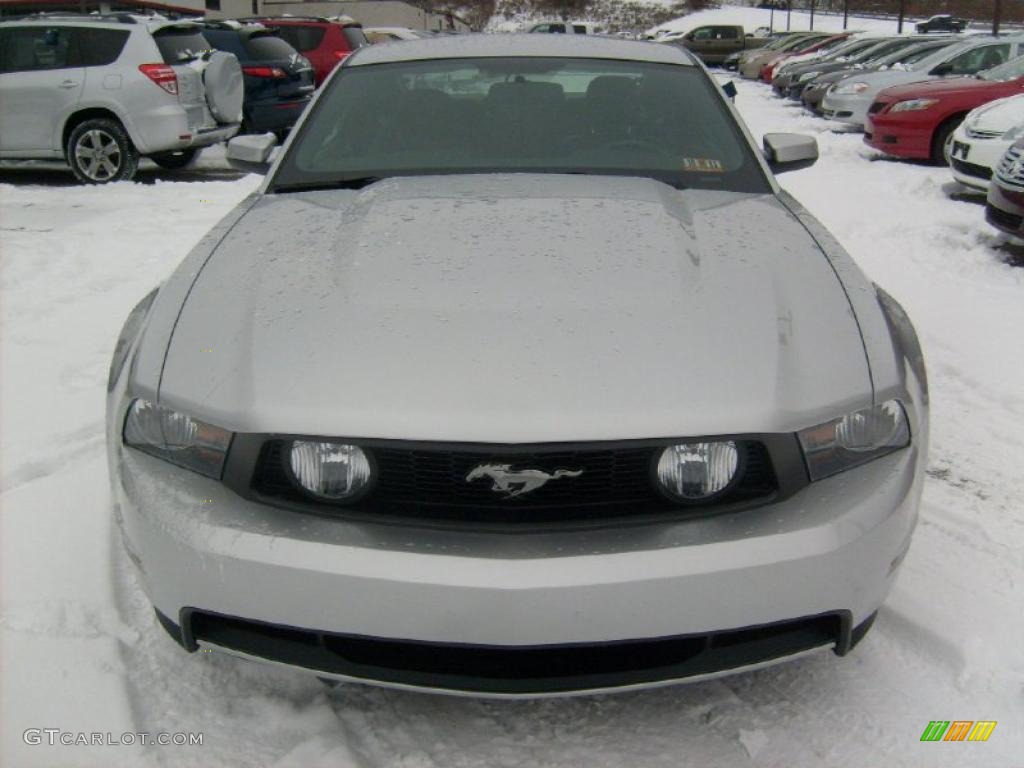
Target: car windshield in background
265, 46
1011, 70
300, 37
535, 115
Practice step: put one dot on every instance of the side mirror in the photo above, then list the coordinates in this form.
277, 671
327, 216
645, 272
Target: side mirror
941, 70
789, 151
252, 154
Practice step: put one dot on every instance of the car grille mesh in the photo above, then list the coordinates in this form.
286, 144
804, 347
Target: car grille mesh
430, 483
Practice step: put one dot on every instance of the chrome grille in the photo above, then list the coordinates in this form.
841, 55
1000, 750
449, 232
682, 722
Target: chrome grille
1010, 170
979, 133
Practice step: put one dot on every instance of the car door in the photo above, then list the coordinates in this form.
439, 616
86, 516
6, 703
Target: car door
727, 40
701, 41
41, 79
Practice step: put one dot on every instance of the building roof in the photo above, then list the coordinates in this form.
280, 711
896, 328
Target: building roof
494, 46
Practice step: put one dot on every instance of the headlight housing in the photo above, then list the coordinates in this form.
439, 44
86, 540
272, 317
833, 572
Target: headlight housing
697, 472
177, 438
329, 471
913, 105
854, 439
847, 88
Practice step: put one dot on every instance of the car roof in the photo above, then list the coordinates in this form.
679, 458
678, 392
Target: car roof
525, 45
105, 21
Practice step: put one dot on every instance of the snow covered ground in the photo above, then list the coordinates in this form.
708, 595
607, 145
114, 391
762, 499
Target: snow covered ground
81, 652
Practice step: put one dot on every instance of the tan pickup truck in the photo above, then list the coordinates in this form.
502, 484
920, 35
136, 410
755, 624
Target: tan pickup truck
713, 43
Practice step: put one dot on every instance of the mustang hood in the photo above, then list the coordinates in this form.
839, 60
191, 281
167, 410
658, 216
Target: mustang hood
516, 308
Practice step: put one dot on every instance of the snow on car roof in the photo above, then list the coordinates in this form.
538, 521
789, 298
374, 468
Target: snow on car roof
487, 46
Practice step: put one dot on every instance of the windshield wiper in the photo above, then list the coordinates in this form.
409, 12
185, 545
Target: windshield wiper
356, 182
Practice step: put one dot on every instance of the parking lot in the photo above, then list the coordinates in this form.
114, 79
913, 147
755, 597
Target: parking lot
90, 656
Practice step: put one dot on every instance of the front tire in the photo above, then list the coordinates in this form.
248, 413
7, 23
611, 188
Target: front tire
172, 161
99, 151
942, 141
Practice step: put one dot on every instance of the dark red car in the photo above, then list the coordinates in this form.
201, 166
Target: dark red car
324, 42
918, 120
768, 70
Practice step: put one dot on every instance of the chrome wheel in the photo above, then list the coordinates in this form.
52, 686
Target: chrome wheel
98, 155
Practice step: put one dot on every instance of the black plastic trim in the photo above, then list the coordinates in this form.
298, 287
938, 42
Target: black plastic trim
784, 454
522, 670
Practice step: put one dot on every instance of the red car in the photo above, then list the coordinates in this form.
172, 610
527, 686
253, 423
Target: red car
324, 42
823, 44
918, 120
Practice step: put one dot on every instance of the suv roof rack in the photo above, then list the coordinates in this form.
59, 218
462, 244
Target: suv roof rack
346, 20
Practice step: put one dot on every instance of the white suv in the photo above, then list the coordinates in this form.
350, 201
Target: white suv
103, 91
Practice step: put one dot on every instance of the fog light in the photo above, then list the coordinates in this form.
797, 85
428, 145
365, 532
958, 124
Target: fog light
698, 471
333, 471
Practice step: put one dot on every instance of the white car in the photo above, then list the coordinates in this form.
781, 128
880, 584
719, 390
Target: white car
982, 139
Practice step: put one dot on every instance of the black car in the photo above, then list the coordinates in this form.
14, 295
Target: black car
942, 23
278, 79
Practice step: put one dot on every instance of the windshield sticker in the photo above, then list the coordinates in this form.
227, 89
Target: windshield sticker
702, 164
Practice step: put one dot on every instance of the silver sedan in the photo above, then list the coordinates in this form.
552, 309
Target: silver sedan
518, 376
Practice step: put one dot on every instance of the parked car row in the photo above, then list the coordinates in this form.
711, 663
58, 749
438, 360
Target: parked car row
103, 91
949, 100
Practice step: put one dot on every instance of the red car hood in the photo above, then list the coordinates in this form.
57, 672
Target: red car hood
970, 88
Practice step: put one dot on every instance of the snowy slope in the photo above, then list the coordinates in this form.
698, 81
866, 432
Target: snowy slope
752, 18
80, 649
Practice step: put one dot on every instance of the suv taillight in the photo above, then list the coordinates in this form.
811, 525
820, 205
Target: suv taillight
265, 71
162, 75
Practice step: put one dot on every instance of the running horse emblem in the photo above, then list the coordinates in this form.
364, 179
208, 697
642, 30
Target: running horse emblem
517, 482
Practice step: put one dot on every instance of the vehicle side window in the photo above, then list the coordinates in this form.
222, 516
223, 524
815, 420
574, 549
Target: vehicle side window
557, 28
30, 49
100, 47
704, 33
727, 33
180, 44
978, 59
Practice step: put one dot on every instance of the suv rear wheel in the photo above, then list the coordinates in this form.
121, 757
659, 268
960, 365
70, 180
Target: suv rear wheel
99, 151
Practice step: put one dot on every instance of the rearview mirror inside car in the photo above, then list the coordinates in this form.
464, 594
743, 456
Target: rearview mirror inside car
251, 154
789, 151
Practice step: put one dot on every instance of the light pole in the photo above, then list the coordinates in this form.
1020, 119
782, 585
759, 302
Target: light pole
899, 24
997, 11
846, 13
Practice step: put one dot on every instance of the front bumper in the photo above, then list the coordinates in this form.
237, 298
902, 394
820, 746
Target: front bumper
974, 159
846, 108
808, 570
900, 136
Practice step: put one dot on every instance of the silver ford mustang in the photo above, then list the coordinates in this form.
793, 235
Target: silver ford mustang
518, 376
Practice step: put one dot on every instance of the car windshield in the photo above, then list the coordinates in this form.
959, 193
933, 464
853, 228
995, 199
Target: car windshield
1011, 70
914, 58
532, 115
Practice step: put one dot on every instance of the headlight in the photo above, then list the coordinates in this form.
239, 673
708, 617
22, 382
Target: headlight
807, 76
333, 471
913, 105
1014, 133
854, 439
176, 438
852, 88
698, 471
